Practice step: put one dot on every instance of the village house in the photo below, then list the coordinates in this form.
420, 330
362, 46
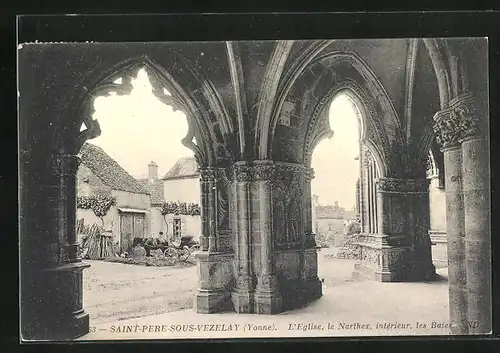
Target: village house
154, 186
329, 221
181, 184
101, 177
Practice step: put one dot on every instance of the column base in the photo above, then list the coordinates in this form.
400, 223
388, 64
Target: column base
242, 301
268, 303
209, 301
422, 272
379, 275
301, 293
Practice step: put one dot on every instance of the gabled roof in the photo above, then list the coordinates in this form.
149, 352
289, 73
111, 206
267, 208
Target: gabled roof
108, 170
185, 167
155, 188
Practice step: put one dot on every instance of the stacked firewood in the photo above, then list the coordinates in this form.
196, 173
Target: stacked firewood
97, 245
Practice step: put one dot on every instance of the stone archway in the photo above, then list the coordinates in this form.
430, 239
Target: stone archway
55, 304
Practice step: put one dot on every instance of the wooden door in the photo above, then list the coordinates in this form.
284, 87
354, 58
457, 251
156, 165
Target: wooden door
139, 225
126, 230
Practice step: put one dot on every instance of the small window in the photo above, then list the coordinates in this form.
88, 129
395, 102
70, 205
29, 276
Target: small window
177, 228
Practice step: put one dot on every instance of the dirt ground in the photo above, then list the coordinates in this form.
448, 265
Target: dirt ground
115, 291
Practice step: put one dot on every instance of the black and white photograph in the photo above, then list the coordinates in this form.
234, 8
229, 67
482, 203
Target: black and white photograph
254, 189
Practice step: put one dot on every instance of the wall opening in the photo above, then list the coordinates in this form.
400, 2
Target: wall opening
336, 200
138, 206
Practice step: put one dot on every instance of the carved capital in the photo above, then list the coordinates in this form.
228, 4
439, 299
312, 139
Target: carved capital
208, 174
402, 185
458, 121
242, 173
263, 172
309, 174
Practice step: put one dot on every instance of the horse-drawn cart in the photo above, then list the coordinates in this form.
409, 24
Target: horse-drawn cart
171, 251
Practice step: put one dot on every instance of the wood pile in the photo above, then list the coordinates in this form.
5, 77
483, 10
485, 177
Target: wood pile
97, 245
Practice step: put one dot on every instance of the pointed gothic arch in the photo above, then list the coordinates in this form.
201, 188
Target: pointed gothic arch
208, 121
341, 71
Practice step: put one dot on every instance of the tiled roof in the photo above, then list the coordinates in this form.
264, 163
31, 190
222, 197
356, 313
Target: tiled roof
184, 168
154, 188
108, 170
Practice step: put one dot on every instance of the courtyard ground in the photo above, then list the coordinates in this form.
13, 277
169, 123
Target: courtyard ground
118, 295
115, 291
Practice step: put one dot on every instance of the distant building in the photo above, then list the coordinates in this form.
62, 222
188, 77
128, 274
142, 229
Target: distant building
329, 221
182, 184
99, 174
154, 187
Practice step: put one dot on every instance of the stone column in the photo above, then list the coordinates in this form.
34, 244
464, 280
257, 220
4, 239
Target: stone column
455, 230
242, 295
62, 313
215, 266
205, 212
267, 298
461, 131
476, 198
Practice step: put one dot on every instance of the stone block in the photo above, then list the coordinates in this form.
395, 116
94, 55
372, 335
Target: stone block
242, 301
268, 303
211, 301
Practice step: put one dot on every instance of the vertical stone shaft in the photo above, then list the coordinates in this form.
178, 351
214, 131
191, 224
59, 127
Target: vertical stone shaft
204, 211
455, 229
212, 207
68, 167
243, 235
266, 241
380, 213
476, 199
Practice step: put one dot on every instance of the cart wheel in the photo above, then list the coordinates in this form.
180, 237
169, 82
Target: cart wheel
171, 255
184, 254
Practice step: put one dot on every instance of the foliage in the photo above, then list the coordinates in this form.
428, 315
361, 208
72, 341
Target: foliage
353, 227
99, 204
180, 208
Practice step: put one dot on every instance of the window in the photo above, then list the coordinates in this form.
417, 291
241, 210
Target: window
177, 230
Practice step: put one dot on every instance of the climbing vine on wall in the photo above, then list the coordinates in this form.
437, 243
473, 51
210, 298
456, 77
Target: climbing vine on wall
99, 204
180, 208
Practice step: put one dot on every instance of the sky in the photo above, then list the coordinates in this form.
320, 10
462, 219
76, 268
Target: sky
336, 169
138, 128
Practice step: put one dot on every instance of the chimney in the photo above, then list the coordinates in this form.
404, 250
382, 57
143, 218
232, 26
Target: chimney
336, 204
153, 170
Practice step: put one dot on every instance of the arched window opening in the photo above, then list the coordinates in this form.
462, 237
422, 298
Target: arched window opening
432, 170
336, 162
369, 206
138, 190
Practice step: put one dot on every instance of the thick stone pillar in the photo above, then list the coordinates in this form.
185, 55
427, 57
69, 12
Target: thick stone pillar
461, 130
242, 295
59, 309
215, 260
401, 248
476, 196
267, 298
455, 230
475, 164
